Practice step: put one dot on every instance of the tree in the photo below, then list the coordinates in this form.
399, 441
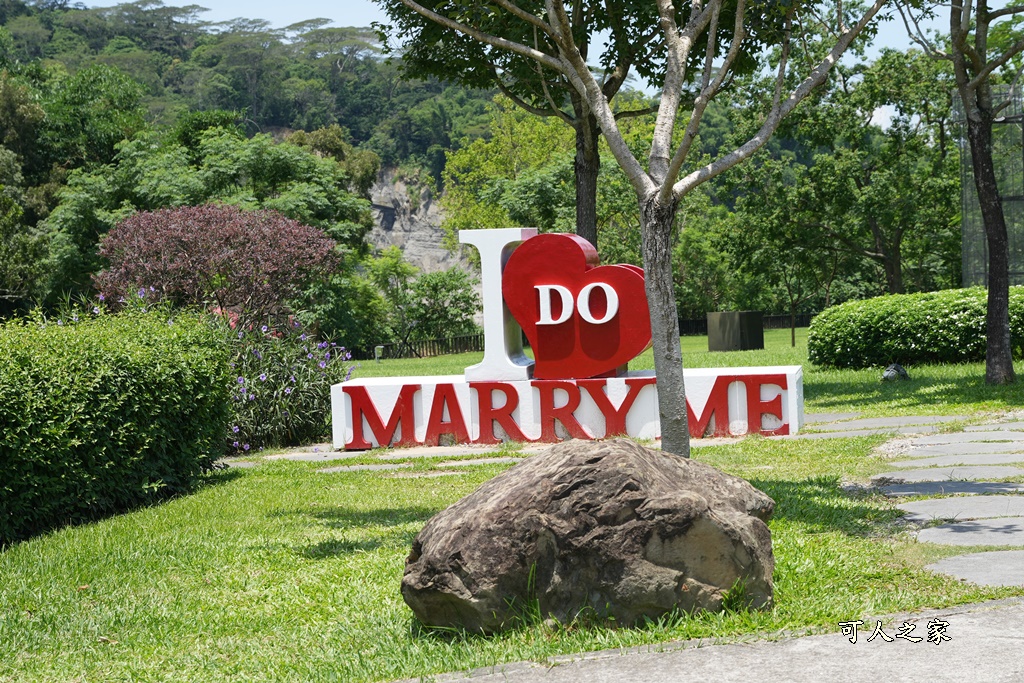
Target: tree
443, 304
251, 263
434, 49
691, 36
983, 46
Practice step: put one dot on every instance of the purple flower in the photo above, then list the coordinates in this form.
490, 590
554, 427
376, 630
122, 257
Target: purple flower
322, 345
295, 323
263, 329
142, 293
102, 298
302, 337
241, 380
151, 288
287, 390
235, 444
327, 356
245, 447
252, 397
60, 322
241, 334
263, 377
120, 299
292, 378
309, 355
95, 310
323, 364
235, 429
316, 449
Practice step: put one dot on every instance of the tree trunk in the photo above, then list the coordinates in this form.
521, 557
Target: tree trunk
656, 230
792, 326
586, 166
998, 352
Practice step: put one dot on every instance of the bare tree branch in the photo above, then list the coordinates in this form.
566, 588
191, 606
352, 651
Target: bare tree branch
522, 104
631, 113
1010, 53
707, 93
917, 35
495, 41
778, 112
1006, 11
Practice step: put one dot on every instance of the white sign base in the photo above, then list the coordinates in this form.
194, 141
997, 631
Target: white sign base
409, 411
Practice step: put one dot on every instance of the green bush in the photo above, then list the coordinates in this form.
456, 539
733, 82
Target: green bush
935, 327
105, 413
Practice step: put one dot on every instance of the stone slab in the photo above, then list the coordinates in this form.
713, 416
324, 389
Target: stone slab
314, 456
966, 472
1001, 531
885, 422
243, 464
931, 488
478, 461
923, 429
453, 451
961, 508
947, 460
817, 418
421, 475
997, 568
970, 437
966, 448
996, 427
363, 468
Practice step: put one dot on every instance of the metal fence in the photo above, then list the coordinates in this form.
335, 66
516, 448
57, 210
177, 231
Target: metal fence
1008, 157
423, 348
428, 348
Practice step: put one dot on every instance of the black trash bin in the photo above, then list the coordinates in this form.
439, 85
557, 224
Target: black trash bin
735, 331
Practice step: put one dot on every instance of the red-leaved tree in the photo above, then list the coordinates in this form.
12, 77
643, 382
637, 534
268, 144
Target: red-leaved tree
249, 263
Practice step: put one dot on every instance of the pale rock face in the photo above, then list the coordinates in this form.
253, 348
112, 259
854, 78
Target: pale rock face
609, 528
409, 217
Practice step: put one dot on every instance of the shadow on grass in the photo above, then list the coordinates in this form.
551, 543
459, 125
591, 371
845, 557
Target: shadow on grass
930, 385
820, 504
380, 527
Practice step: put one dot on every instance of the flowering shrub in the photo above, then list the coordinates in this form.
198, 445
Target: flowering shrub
934, 327
251, 262
281, 386
101, 413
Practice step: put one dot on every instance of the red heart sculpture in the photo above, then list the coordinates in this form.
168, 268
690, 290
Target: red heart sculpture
608, 323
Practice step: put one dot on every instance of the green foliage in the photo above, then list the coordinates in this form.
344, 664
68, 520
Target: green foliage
934, 327
281, 393
20, 256
102, 413
149, 174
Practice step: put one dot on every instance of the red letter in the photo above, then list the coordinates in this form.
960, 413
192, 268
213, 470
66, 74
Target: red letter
615, 419
549, 413
503, 415
403, 413
756, 407
456, 426
718, 405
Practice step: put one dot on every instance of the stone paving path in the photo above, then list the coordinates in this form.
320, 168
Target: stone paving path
974, 508
961, 468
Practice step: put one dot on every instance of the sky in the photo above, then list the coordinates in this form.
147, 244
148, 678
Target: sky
363, 12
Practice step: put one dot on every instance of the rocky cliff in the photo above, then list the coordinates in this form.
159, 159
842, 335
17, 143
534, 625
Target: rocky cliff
408, 216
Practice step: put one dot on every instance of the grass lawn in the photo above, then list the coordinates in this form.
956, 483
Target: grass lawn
932, 389
282, 573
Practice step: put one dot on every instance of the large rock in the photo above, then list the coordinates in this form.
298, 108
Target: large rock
610, 528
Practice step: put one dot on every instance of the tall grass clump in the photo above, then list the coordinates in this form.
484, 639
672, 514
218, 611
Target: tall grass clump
933, 327
102, 413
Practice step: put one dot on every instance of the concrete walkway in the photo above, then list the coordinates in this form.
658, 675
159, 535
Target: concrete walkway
983, 642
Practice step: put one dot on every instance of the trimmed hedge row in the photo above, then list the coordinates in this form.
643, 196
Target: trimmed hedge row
933, 327
105, 414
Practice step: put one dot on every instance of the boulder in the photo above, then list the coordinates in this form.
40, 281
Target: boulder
608, 528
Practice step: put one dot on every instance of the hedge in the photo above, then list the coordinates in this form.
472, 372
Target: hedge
934, 327
105, 414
